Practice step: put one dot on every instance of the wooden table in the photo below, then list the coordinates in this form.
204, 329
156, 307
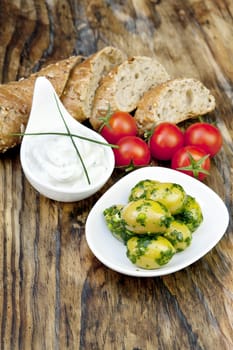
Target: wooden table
54, 294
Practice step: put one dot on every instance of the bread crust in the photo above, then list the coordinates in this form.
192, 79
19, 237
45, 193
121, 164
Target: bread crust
173, 101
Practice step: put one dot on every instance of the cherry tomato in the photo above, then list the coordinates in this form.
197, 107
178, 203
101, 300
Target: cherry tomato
132, 151
166, 139
117, 125
193, 161
204, 135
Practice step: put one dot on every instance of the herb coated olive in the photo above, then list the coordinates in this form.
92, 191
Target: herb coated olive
146, 216
115, 223
149, 253
172, 195
191, 215
141, 188
179, 235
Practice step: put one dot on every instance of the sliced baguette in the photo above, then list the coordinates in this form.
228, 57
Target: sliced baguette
173, 101
125, 84
74, 80
81, 87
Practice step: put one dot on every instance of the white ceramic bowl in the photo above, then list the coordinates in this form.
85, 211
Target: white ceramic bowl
45, 117
112, 252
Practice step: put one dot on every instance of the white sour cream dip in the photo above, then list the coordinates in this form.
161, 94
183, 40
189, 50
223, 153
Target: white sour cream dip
54, 160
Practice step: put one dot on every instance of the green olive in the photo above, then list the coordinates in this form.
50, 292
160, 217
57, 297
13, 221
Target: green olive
115, 222
172, 195
146, 216
179, 235
149, 253
191, 214
141, 188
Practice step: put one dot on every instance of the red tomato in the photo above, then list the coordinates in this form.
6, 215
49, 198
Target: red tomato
118, 125
166, 139
204, 135
193, 161
132, 151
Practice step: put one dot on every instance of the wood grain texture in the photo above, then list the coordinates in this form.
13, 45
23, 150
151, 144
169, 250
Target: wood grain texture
54, 294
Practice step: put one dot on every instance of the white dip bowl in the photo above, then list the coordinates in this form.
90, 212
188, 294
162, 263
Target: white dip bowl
62, 167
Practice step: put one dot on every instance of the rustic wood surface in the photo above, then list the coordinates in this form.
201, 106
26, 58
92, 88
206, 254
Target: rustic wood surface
54, 294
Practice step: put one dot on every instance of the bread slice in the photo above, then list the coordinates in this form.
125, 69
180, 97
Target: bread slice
173, 101
84, 80
125, 84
